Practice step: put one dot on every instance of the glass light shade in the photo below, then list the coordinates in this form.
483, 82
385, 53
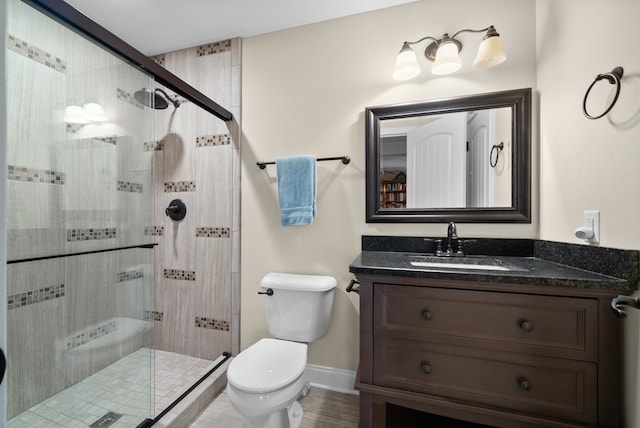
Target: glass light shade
406, 65
94, 112
447, 59
75, 114
490, 53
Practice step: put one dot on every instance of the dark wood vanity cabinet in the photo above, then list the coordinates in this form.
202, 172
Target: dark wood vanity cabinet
505, 355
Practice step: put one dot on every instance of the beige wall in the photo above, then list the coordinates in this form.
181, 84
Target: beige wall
591, 164
304, 92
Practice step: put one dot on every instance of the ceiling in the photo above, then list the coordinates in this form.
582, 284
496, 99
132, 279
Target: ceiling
159, 26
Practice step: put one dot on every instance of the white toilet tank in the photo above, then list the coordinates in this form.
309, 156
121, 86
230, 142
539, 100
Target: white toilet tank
300, 307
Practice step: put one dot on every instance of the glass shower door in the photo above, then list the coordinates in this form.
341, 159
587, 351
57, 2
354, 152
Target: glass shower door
78, 209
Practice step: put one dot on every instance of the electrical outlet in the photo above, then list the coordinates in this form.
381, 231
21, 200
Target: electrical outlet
592, 221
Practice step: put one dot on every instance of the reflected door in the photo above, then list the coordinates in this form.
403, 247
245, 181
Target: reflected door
436, 163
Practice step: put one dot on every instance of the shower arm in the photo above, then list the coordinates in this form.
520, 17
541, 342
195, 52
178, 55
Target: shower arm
175, 103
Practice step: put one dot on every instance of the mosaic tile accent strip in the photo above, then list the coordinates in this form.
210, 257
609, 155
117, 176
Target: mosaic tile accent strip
127, 97
213, 48
159, 59
125, 186
74, 128
34, 296
212, 232
179, 186
153, 315
37, 54
184, 275
108, 140
130, 275
154, 230
213, 140
153, 146
90, 335
33, 175
90, 234
210, 323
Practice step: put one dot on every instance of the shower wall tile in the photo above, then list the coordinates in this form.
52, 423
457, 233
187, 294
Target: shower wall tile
154, 315
213, 198
199, 151
36, 54
32, 334
151, 146
90, 234
127, 97
35, 296
213, 48
214, 80
179, 130
34, 175
210, 323
130, 275
154, 230
159, 59
213, 140
212, 232
179, 274
180, 186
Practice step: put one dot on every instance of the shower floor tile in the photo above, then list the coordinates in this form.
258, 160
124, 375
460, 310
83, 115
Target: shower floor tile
122, 388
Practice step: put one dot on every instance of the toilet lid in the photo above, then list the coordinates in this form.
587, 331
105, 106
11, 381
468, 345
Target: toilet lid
267, 365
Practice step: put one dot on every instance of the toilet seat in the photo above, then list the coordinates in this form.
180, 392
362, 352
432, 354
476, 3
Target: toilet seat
267, 365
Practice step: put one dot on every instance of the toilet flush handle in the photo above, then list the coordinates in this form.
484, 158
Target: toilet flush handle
268, 292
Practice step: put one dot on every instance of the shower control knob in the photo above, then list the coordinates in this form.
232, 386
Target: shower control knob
176, 210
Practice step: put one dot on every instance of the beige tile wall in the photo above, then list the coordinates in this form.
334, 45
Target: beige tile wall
196, 160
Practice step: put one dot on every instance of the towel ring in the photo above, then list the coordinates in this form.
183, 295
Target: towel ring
614, 78
498, 148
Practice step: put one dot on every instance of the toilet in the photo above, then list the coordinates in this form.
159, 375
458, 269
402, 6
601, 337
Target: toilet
265, 380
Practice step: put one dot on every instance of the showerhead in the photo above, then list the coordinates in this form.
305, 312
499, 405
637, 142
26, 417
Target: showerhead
154, 100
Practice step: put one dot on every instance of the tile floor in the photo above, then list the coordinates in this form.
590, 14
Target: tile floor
121, 392
322, 409
122, 388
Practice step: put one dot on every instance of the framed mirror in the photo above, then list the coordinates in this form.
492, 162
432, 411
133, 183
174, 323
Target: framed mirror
464, 159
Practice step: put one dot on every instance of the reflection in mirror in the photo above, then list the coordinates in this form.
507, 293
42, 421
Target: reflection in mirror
455, 160
460, 159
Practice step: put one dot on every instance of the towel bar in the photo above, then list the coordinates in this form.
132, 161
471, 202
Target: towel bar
345, 160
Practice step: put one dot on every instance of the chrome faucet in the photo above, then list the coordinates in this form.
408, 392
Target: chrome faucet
452, 236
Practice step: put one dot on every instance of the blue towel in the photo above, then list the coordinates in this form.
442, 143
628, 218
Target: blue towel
296, 189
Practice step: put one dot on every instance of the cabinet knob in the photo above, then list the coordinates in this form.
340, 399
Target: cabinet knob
525, 385
425, 367
425, 314
525, 325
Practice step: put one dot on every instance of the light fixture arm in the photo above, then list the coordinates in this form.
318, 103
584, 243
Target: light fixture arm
491, 31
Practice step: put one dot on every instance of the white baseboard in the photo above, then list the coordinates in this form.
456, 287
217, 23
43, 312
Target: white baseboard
331, 378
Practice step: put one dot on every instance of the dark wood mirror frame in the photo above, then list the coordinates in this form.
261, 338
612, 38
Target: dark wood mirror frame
520, 210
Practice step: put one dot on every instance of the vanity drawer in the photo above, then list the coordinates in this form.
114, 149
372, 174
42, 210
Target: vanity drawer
539, 385
540, 325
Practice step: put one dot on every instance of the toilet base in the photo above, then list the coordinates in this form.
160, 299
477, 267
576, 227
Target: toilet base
291, 417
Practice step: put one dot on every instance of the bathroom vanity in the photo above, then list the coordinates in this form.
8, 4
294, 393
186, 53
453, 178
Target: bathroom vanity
531, 344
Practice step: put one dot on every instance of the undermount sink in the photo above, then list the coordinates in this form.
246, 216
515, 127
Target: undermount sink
462, 263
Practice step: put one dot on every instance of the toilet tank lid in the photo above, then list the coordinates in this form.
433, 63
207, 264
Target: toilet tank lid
292, 281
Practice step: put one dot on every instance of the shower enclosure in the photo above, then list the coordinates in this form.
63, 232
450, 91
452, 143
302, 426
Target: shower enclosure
113, 309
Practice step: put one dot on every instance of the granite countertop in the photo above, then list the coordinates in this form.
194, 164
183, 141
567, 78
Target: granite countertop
526, 270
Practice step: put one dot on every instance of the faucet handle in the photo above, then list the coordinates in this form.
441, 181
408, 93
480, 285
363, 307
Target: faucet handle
459, 251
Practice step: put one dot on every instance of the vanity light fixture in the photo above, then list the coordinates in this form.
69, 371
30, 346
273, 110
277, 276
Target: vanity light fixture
444, 53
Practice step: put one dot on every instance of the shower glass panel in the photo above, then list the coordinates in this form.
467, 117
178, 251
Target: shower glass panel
79, 248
